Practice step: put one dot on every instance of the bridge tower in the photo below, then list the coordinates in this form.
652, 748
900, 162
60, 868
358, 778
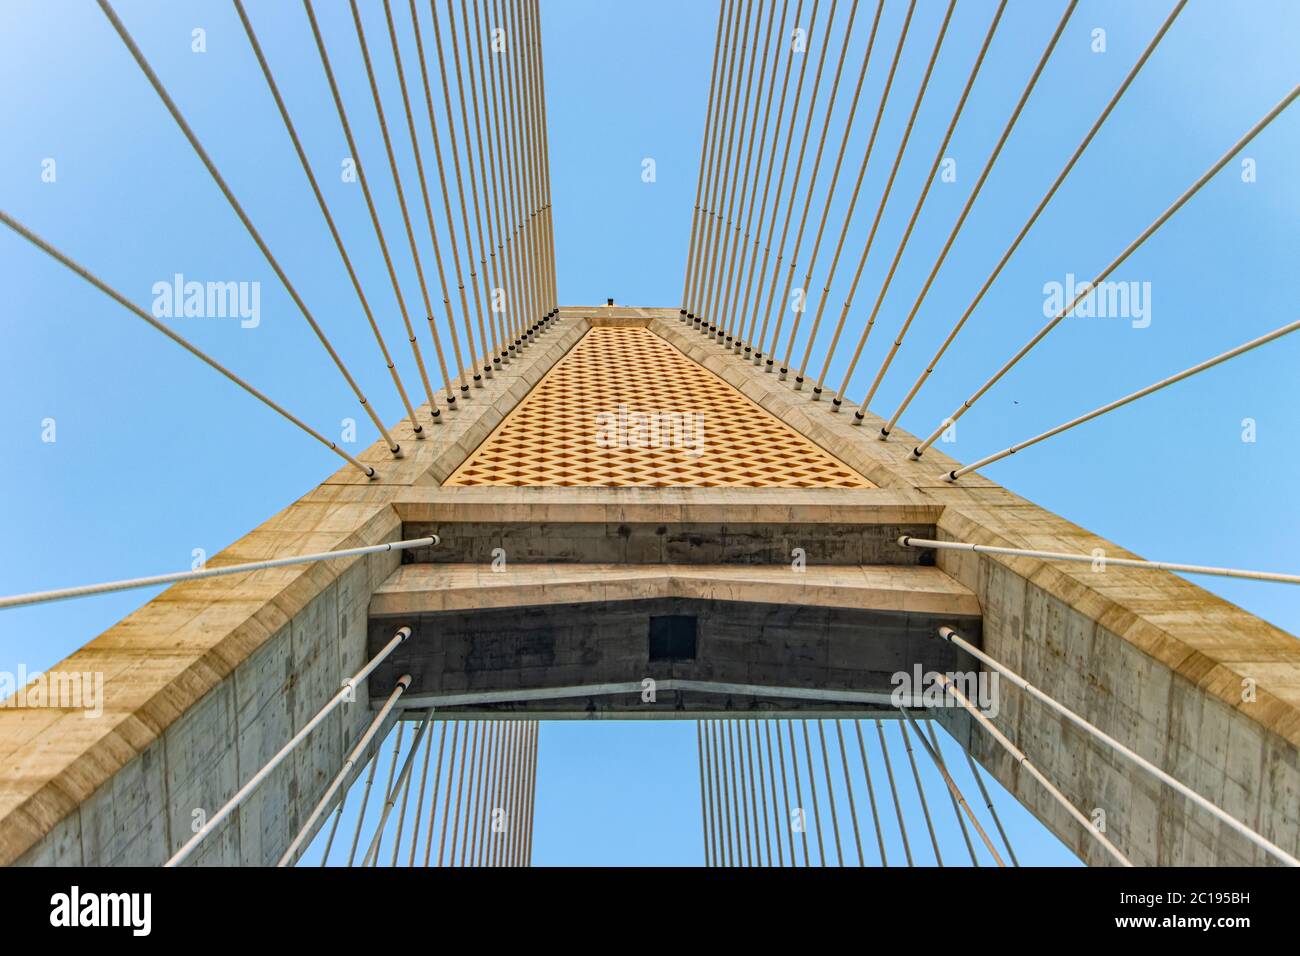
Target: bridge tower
760, 579
638, 513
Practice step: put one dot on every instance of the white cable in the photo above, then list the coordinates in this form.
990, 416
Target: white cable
1037, 774
300, 840
372, 854
952, 637
347, 690
1120, 402
60, 594
1101, 559
958, 799
1160, 220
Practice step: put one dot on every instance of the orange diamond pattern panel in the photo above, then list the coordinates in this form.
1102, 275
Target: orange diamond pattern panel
624, 408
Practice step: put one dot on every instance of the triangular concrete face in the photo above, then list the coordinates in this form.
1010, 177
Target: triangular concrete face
624, 409
744, 579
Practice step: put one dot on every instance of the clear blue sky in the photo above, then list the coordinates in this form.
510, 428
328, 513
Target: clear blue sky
157, 456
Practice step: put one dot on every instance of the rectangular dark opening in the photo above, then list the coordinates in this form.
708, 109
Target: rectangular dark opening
672, 637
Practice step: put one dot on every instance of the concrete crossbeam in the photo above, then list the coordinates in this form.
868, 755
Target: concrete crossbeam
429, 588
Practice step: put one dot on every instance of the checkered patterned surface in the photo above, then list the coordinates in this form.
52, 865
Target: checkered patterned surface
624, 408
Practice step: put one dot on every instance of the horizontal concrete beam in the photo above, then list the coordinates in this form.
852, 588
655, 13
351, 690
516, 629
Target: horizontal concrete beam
782, 641
614, 316
430, 588
872, 506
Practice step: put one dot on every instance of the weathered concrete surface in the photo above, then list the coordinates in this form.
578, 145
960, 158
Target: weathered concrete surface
665, 525
431, 588
864, 506
601, 641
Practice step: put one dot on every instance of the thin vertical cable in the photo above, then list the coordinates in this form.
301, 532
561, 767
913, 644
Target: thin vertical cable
479, 761
776, 807
365, 800
756, 275
493, 96
737, 781
338, 815
704, 811
544, 160
893, 789
379, 230
848, 787
934, 167
503, 843
1042, 204
238, 209
403, 779
406, 793
920, 791
732, 243
871, 794
723, 13
532, 793
545, 258
482, 791
830, 190
713, 144
798, 795
966, 208
720, 793
388, 786
465, 765
853, 197
402, 205
722, 189
988, 802
527, 185
763, 821
485, 344
746, 777
812, 791
451, 772
830, 792
747, 284
794, 184
735, 327
329, 218
812, 185
903, 142
433, 802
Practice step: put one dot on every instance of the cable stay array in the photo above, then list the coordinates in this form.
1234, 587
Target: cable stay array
723, 291
766, 784
513, 287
